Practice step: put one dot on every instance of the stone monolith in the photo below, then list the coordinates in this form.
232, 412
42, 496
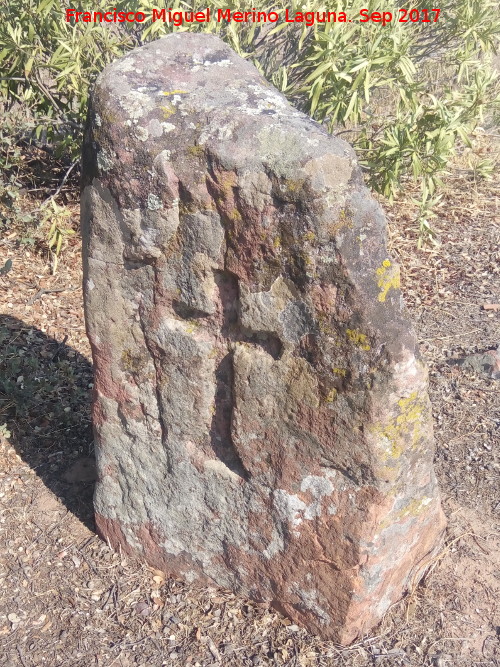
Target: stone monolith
261, 416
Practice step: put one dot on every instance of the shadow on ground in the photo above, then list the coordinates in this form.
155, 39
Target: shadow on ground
45, 395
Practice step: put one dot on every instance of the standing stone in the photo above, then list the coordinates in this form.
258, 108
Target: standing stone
261, 418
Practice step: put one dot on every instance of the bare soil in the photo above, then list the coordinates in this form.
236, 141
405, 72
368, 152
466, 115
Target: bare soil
67, 599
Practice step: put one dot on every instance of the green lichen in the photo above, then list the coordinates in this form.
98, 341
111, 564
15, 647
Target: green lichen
185, 208
132, 362
293, 186
387, 276
325, 327
344, 221
359, 339
226, 181
196, 151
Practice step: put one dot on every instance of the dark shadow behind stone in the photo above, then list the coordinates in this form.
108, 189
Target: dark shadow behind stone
45, 401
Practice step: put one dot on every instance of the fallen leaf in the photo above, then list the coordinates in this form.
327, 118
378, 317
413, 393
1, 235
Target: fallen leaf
142, 608
410, 610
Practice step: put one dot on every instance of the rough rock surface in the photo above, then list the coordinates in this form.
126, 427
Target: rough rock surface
261, 418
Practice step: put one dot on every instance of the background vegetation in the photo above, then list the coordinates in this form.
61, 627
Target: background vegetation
407, 95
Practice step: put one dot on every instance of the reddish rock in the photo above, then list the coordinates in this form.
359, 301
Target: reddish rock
261, 415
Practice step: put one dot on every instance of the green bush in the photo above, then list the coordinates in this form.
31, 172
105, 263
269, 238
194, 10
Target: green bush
405, 94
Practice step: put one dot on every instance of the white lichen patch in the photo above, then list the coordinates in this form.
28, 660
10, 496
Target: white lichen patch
155, 128
126, 65
328, 172
141, 133
218, 63
154, 202
168, 127
310, 600
275, 546
288, 506
104, 160
136, 104
271, 97
218, 133
318, 487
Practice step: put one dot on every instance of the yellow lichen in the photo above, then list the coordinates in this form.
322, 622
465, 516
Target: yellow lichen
406, 426
174, 92
388, 276
332, 395
411, 408
359, 339
308, 236
343, 221
414, 508
192, 326
168, 110
340, 371
234, 215
292, 185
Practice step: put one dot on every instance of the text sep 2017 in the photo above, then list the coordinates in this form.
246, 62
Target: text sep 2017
178, 18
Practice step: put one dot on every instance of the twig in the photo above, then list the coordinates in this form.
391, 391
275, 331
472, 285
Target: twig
489, 391
89, 562
43, 291
21, 656
462, 333
428, 565
65, 178
60, 347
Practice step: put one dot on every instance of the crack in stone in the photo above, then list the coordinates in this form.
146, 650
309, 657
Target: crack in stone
158, 373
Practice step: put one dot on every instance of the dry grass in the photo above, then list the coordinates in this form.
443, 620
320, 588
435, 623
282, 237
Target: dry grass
67, 599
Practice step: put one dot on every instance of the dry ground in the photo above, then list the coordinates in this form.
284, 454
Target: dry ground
67, 599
